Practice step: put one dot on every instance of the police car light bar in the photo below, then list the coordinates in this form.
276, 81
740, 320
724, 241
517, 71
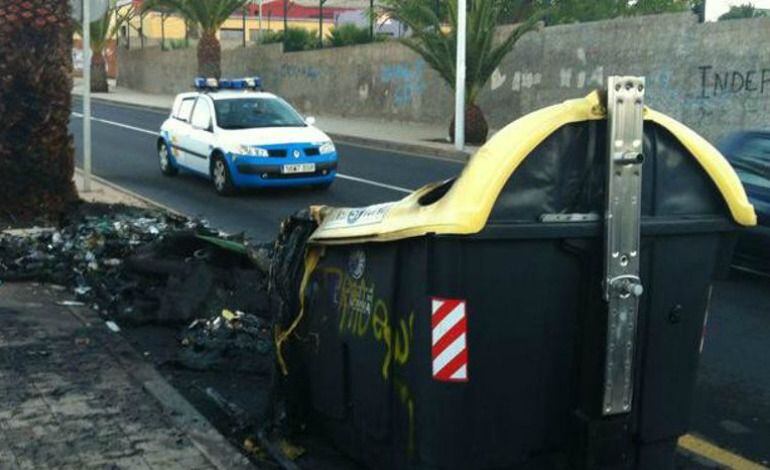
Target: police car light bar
212, 84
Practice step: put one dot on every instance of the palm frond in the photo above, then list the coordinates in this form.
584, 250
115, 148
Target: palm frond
434, 36
209, 14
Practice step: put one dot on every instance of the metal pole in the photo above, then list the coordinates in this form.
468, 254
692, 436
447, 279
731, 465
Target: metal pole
285, 22
162, 32
86, 96
460, 77
243, 25
371, 20
261, 35
320, 24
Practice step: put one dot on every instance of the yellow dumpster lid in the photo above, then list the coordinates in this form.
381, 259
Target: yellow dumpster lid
465, 208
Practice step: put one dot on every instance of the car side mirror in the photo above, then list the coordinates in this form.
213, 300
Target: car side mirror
310, 120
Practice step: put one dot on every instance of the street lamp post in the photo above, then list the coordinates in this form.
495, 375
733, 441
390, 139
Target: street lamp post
86, 96
261, 34
460, 76
321, 23
285, 22
243, 25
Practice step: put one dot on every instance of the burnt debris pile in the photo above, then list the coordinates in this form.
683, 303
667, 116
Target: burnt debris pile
140, 266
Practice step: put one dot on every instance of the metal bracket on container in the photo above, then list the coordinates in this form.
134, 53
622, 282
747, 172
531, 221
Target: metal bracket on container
622, 286
571, 217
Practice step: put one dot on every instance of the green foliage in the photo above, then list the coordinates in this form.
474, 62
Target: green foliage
297, 39
349, 35
103, 29
436, 41
271, 37
742, 12
173, 44
574, 11
209, 14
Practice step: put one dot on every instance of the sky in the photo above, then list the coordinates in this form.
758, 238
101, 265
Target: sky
716, 8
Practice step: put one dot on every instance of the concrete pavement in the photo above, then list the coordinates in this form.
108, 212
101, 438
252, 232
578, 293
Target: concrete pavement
407, 137
76, 396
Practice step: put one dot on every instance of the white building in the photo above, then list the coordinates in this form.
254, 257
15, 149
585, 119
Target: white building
717, 8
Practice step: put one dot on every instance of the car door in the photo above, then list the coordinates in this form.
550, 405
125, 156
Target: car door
200, 139
179, 128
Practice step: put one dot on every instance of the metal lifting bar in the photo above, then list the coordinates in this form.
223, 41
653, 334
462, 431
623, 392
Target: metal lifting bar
622, 286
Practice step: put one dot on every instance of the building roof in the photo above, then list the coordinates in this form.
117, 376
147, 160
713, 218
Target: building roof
301, 10
298, 9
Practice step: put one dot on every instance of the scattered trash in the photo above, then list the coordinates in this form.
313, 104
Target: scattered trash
69, 303
139, 265
112, 326
291, 451
232, 340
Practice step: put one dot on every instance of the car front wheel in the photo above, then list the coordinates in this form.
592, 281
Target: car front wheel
220, 176
164, 158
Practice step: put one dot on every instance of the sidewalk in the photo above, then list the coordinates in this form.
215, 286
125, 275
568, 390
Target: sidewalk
401, 136
76, 396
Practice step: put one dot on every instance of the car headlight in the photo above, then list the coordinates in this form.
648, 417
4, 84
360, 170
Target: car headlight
252, 151
327, 147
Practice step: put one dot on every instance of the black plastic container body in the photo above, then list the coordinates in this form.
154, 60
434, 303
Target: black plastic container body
534, 324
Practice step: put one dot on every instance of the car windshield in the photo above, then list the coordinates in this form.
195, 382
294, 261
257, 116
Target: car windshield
249, 113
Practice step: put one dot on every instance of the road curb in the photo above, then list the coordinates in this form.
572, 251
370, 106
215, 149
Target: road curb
449, 154
215, 448
106, 100
128, 192
455, 155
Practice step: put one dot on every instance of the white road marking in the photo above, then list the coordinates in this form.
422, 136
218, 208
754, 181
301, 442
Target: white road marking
339, 175
375, 183
118, 124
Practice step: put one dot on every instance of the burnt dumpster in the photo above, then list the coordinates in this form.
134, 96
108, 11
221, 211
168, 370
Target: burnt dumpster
542, 310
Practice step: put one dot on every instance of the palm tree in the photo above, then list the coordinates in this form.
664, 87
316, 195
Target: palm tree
36, 150
209, 16
102, 30
434, 38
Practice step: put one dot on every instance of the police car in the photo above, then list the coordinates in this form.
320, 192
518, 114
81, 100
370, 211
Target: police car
239, 136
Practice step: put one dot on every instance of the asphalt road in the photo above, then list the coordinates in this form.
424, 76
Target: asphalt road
124, 153
731, 405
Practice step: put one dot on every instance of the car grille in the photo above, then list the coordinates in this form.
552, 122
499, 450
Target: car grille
311, 151
277, 152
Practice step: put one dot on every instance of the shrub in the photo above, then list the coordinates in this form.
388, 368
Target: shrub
299, 39
348, 35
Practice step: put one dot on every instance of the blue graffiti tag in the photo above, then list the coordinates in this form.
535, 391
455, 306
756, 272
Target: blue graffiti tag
407, 81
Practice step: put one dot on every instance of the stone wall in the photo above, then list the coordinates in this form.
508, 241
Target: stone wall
715, 77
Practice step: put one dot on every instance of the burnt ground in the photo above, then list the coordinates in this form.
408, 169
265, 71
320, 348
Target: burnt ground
246, 391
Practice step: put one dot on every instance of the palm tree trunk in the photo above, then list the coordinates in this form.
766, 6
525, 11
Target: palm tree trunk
209, 55
36, 150
99, 73
476, 127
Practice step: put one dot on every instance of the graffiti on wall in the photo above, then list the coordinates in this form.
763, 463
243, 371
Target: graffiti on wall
717, 82
406, 80
299, 71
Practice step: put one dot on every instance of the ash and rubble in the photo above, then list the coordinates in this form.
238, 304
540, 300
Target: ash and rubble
143, 266
146, 268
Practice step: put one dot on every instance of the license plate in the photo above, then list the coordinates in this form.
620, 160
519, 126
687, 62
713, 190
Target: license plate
298, 168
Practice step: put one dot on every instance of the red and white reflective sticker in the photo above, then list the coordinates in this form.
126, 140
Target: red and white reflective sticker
449, 350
